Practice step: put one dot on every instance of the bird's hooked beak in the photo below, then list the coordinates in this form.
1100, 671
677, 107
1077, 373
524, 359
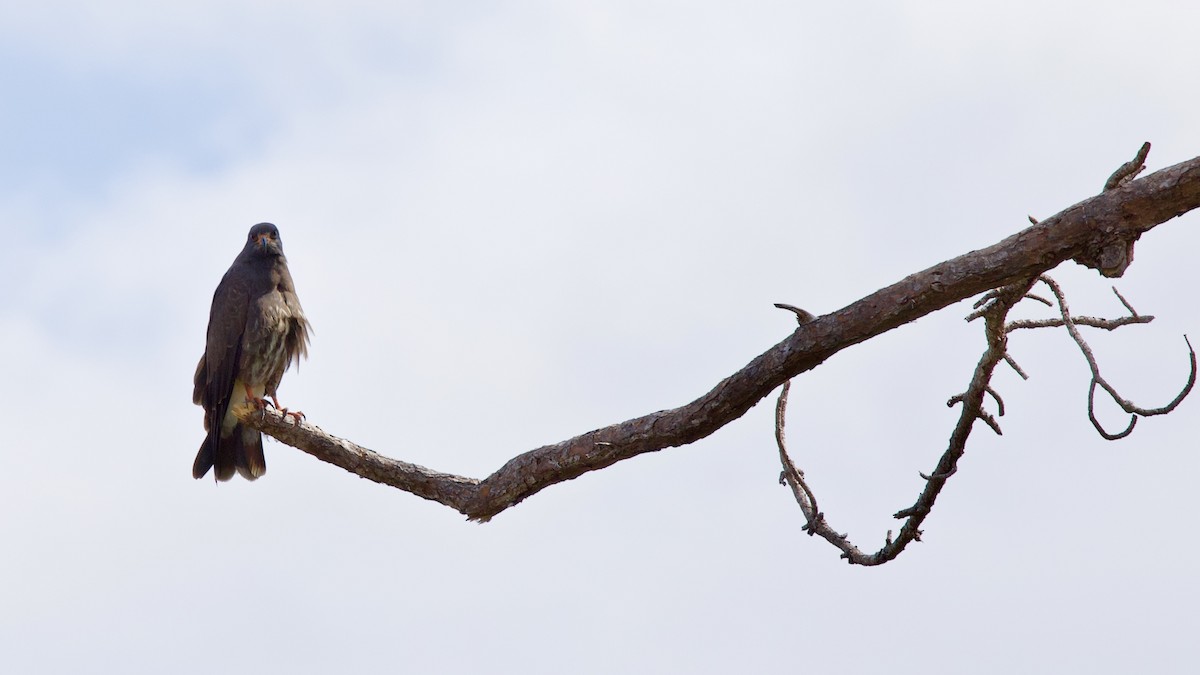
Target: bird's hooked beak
263, 240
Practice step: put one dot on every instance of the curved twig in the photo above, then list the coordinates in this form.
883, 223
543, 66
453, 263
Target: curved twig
1098, 380
1096, 422
802, 316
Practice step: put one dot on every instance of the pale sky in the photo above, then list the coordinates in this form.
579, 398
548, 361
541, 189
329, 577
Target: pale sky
514, 222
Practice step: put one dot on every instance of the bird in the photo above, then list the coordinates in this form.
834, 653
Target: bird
256, 330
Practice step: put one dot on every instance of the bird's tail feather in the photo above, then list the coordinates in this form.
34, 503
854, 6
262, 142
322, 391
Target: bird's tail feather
204, 458
223, 454
249, 458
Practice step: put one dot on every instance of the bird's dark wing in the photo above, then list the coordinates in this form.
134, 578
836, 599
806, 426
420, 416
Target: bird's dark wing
222, 353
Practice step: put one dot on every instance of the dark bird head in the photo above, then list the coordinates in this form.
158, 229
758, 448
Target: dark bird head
264, 240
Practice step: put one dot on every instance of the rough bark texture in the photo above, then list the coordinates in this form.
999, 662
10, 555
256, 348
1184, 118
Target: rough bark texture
1098, 232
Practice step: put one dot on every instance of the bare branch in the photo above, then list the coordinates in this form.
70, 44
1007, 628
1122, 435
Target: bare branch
1081, 232
1106, 324
453, 491
1091, 322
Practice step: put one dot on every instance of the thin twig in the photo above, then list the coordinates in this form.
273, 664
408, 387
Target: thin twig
958, 398
986, 418
1012, 363
1132, 311
938, 475
999, 401
1089, 321
793, 475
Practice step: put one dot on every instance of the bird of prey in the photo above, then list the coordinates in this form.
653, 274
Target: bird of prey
256, 328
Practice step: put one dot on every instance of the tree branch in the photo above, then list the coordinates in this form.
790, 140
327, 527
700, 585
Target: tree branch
453, 491
1087, 232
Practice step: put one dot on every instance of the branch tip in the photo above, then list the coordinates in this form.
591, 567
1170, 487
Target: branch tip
1132, 312
802, 316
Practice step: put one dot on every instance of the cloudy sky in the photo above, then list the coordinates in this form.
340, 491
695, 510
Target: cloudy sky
514, 222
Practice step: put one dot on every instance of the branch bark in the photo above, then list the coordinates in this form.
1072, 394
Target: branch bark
1098, 232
